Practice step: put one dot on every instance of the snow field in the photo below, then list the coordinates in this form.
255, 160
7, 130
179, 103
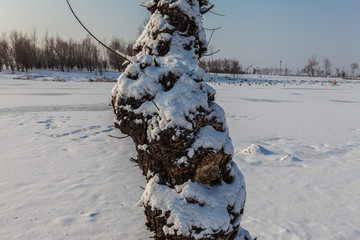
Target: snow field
298, 148
63, 177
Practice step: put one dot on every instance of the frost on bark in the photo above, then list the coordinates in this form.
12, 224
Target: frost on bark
194, 189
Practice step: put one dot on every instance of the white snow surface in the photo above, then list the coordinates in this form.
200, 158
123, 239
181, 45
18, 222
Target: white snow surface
58, 76
63, 177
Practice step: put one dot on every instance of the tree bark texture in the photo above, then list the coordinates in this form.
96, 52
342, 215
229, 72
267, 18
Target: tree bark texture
182, 141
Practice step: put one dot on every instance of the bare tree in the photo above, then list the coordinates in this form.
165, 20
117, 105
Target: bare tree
71, 55
61, 50
235, 67
103, 58
249, 69
4, 53
226, 66
310, 67
337, 74
327, 66
216, 66
287, 71
353, 67
343, 73
79, 56
33, 49
21, 50
91, 54
49, 52
115, 61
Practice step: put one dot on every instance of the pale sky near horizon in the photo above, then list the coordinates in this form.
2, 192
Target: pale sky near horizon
256, 32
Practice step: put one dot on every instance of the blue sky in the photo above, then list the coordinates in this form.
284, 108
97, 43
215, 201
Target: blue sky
256, 32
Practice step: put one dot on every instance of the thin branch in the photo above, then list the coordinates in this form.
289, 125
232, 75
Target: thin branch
123, 56
221, 15
203, 64
212, 29
212, 34
210, 54
118, 137
133, 160
205, 10
155, 105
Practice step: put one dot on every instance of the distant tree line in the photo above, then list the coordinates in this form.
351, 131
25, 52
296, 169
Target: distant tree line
23, 52
313, 68
224, 65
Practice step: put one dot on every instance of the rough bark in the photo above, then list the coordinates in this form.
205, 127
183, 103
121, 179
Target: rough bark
173, 151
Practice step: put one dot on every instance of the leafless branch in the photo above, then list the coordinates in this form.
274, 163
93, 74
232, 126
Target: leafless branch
205, 10
210, 54
155, 105
118, 137
134, 160
221, 15
212, 29
124, 56
202, 64
212, 34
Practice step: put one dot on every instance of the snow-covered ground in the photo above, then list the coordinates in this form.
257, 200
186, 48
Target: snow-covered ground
62, 176
58, 76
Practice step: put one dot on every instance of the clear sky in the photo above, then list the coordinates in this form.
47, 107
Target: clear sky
256, 32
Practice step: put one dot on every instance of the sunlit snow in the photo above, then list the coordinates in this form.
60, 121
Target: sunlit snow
296, 141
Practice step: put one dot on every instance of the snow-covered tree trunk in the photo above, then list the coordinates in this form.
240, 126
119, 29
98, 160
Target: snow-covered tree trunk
194, 189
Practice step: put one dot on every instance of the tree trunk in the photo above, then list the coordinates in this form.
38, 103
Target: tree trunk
194, 189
